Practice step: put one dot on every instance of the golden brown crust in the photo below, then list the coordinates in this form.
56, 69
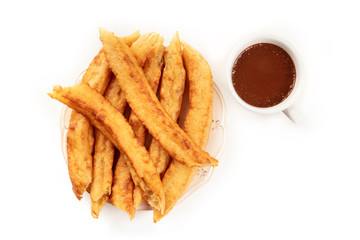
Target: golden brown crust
145, 104
106, 152
173, 79
96, 206
137, 196
130, 39
103, 158
154, 64
171, 92
79, 144
197, 124
122, 186
159, 155
98, 74
153, 70
102, 172
115, 96
80, 137
122, 189
85, 100
199, 118
142, 47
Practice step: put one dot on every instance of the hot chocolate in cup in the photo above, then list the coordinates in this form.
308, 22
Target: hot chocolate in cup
265, 75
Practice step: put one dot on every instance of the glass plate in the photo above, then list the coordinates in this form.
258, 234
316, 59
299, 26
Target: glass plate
215, 145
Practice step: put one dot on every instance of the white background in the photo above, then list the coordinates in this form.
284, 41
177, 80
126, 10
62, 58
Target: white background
276, 180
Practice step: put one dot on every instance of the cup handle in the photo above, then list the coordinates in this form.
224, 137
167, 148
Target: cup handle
293, 114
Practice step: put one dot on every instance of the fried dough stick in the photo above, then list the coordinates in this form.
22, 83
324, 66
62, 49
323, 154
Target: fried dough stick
80, 136
101, 185
152, 70
103, 159
144, 103
87, 101
152, 74
122, 184
171, 92
123, 188
142, 47
197, 124
121, 195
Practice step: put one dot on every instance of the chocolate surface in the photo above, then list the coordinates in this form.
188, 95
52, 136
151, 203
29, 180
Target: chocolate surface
263, 75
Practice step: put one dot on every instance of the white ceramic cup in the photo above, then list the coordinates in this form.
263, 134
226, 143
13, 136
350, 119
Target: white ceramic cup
286, 105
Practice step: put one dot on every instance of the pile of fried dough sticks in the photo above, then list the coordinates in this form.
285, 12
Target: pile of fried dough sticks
128, 71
